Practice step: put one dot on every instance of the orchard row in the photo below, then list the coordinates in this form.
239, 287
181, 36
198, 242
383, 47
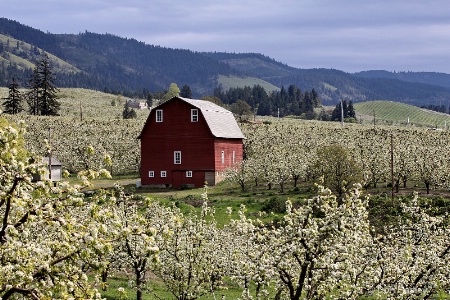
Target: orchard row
281, 153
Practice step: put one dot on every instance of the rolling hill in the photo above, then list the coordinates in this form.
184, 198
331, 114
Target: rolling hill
390, 112
115, 64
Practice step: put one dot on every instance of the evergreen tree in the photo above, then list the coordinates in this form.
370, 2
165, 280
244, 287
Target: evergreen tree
48, 99
32, 94
42, 98
336, 114
128, 113
13, 103
349, 111
186, 91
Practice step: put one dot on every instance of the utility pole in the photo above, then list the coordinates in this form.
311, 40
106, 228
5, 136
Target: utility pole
49, 154
81, 112
342, 114
374, 118
392, 167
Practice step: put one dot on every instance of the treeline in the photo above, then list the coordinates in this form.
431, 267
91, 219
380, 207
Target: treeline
439, 108
290, 101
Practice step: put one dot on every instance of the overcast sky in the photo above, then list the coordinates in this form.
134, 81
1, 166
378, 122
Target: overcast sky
348, 35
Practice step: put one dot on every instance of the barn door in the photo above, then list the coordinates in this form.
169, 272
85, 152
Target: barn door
177, 179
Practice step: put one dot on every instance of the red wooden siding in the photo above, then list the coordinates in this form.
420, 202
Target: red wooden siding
228, 146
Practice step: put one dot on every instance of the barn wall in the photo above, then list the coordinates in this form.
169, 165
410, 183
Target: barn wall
227, 146
159, 140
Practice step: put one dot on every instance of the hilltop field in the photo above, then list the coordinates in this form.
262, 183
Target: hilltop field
396, 113
76, 101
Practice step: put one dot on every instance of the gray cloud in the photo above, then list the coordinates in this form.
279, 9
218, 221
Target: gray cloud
349, 35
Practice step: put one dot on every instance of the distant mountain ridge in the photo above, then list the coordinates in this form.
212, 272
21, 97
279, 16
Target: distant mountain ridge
433, 78
111, 63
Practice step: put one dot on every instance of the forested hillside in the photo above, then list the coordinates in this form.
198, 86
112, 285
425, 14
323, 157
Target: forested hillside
412, 88
120, 65
433, 78
107, 62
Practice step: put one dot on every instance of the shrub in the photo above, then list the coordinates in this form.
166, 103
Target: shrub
275, 205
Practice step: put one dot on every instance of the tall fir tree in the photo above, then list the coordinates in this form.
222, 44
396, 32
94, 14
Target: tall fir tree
43, 95
13, 103
32, 94
186, 92
348, 109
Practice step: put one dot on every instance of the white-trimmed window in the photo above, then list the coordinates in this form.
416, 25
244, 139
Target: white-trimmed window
163, 174
151, 173
177, 157
234, 157
159, 115
194, 115
188, 173
223, 157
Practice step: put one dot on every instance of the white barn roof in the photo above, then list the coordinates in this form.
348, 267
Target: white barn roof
221, 122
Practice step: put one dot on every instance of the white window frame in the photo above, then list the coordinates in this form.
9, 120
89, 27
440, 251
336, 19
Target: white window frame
234, 157
151, 173
177, 157
163, 174
159, 115
223, 157
194, 115
188, 173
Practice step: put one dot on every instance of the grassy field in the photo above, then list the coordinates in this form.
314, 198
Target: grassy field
77, 102
228, 82
157, 288
399, 113
58, 64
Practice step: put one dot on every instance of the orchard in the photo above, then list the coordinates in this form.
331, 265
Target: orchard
58, 242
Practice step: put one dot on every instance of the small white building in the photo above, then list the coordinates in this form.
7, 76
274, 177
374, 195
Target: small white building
54, 165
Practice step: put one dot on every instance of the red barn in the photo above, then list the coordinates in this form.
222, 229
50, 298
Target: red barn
188, 142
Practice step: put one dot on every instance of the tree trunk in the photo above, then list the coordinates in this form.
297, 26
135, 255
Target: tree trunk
138, 284
242, 184
427, 185
104, 279
278, 295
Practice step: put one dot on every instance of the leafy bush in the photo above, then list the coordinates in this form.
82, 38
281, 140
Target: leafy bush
275, 205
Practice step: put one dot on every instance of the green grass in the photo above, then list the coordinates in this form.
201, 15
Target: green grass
94, 104
260, 202
231, 290
228, 82
398, 113
329, 87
